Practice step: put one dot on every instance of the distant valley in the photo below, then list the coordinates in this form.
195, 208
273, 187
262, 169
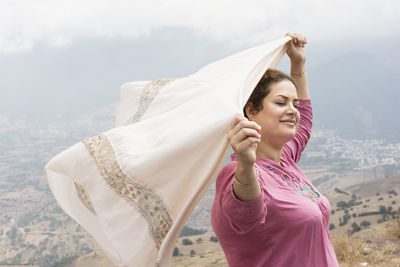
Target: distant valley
35, 231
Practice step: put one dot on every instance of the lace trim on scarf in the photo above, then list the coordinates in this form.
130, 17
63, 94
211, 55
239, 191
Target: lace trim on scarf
144, 200
84, 198
149, 92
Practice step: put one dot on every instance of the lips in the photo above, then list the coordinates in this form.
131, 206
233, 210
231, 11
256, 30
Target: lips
290, 122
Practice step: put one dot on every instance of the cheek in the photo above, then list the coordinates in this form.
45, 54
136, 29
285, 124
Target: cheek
275, 111
297, 119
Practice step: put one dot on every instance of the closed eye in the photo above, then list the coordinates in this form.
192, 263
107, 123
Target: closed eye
296, 106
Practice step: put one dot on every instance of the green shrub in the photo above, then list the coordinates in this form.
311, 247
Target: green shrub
176, 252
365, 223
355, 227
346, 218
382, 209
341, 191
187, 231
368, 213
187, 242
214, 239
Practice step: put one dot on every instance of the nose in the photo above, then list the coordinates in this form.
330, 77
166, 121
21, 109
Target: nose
292, 109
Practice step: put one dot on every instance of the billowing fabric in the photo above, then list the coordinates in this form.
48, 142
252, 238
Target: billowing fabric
288, 224
133, 187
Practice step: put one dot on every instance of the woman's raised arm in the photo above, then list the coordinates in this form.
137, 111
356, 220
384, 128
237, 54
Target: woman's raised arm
297, 57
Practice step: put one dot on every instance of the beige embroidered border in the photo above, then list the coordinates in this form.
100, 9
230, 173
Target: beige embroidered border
149, 92
149, 204
84, 198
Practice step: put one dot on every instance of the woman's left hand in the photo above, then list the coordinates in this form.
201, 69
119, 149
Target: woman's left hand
295, 49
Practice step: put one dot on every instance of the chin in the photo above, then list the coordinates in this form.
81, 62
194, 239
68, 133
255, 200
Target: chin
288, 136
282, 140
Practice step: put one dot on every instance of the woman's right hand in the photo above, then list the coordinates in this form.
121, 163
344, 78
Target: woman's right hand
243, 137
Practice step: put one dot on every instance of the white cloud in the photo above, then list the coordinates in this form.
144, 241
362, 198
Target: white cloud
24, 23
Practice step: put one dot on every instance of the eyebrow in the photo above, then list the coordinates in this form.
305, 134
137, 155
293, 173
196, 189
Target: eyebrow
285, 97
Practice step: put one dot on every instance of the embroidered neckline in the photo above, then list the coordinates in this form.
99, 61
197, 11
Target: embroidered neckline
295, 183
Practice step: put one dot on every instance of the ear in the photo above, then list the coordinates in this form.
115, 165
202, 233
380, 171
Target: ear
250, 110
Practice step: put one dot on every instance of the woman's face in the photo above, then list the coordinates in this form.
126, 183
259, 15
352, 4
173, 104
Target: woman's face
279, 117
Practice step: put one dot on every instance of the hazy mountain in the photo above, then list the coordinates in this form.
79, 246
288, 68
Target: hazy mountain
357, 94
355, 84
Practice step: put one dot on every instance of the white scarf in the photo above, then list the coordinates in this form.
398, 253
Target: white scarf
133, 187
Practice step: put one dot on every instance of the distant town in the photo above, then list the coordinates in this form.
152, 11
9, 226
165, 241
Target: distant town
31, 218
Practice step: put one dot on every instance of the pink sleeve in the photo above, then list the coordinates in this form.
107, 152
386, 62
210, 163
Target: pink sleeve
295, 147
243, 216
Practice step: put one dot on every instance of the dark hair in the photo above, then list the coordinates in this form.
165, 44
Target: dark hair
263, 88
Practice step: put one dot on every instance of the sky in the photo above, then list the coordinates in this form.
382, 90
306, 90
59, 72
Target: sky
28, 24
61, 57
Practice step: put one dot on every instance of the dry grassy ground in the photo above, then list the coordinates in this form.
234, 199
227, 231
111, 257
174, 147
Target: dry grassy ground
374, 247
378, 246
214, 259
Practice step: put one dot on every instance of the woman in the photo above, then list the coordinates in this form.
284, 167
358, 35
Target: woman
266, 212
134, 186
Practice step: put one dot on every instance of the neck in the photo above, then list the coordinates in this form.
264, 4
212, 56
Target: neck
269, 151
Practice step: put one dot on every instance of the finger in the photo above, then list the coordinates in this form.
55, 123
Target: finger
292, 36
259, 134
249, 142
244, 145
301, 39
244, 134
297, 39
234, 122
243, 124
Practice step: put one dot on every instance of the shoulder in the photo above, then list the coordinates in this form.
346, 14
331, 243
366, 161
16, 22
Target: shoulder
225, 176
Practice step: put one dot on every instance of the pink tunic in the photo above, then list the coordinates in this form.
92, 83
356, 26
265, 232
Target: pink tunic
288, 224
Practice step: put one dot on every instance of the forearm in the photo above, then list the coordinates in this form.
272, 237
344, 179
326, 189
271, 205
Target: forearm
299, 75
246, 186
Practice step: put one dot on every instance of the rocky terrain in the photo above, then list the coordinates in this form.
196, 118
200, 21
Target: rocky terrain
362, 239
35, 231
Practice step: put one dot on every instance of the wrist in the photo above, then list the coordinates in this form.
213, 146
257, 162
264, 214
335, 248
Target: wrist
298, 64
297, 70
245, 163
246, 174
